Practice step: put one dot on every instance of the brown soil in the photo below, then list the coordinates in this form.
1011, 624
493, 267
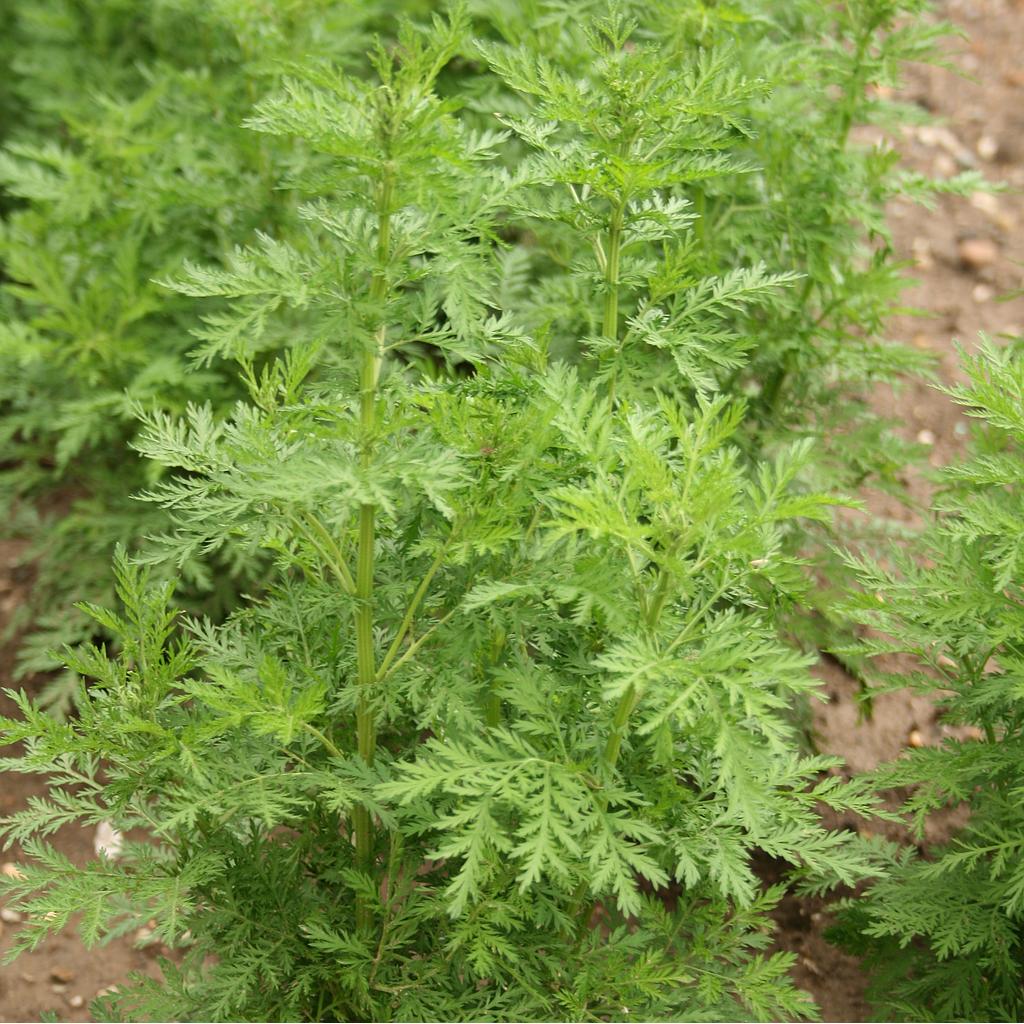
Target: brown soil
959, 284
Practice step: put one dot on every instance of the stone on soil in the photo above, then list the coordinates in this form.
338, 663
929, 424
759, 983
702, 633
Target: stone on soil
977, 253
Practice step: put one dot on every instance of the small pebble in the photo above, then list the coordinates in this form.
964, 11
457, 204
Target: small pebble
987, 147
989, 205
76, 1002
922, 341
925, 437
944, 166
922, 251
943, 138
63, 975
982, 293
928, 134
810, 965
976, 253
108, 841
58, 990
985, 201
915, 739
9, 916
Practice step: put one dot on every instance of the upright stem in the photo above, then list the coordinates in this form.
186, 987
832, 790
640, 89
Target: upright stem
854, 87
414, 604
610, 329
627, 703
366, 666
610, 323
492, 709
700, 202
661, 591
613, 259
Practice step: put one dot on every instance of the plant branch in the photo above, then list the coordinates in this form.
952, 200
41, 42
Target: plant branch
417, 599
415, 646
366, 668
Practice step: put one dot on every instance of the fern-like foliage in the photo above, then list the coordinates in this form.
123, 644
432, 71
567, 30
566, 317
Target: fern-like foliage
684, 164
945, 932
127, 157
685, 154
680, 160
511, 713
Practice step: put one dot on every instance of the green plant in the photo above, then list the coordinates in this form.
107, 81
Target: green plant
746, 179
944, 933
127, 157
502, 733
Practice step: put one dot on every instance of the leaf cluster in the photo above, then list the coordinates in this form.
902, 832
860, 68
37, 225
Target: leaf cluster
944, 932
506, 364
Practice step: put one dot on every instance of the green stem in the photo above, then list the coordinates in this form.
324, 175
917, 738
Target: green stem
330, 552
613, 261
414, 604
660, 595
651, 610
610, 322
365, 661
366, 665
415, 646
610, 329
627, 704
493, 705
329, 746
700, 202
855, 86
774, 388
